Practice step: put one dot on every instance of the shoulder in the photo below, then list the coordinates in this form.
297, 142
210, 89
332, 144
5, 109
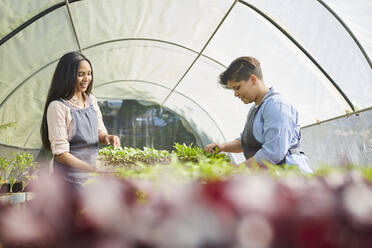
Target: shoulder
277, 102
276, 106
94, 102
57, 105
92, 97
57, 110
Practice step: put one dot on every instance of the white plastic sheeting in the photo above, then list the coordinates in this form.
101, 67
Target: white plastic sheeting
171, 52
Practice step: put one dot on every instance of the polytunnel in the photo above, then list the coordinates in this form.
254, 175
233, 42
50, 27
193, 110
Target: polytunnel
315, 53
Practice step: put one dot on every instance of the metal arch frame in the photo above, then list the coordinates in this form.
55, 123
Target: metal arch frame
347, 30
37, 125
58, 5
106, 42
25, 80
72, 24
201, 51
347, 115
95, 45
33, 19
302, 49
154, 40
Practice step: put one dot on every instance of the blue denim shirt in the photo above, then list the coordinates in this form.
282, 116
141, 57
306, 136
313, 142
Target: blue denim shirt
276, 128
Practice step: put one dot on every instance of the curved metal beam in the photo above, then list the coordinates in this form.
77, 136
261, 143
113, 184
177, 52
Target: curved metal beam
356, 113
201, 52
24, 81
153, 40
95, 45
33, 19
308, 55
37, 125
347, 30
56, 6
131, 80
72, 24
165, 87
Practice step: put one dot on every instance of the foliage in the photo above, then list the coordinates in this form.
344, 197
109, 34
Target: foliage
16, 169
194, 153
7, 125
216, 203
3, 128
188, 162
203, 170
260, 208
124, 157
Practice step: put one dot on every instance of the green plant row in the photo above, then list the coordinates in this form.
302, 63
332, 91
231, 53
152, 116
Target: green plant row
218, 170
127, 156
190, 162
194, 153
204, 170
7, 125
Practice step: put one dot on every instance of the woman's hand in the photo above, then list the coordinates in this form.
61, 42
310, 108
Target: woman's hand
70, 160
111, 139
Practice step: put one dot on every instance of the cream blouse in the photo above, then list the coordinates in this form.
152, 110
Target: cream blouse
60, 125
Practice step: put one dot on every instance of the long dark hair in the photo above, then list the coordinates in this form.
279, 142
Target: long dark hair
63, 87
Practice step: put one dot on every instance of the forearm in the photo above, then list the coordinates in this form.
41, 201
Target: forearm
70, 160
234, 146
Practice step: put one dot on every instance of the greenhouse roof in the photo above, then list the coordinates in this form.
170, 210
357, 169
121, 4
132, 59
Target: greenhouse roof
315, 53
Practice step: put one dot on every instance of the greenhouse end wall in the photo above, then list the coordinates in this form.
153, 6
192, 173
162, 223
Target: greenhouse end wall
342, 141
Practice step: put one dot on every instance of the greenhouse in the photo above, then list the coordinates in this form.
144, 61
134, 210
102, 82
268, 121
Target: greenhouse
156, 71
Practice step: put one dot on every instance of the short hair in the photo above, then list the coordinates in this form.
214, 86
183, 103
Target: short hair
241, 69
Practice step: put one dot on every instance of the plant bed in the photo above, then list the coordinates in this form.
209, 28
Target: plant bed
185, 162
127, 157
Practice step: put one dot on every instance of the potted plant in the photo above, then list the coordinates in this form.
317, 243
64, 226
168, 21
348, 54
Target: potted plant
15, 172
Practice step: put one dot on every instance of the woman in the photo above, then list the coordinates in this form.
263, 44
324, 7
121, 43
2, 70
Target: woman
72, 122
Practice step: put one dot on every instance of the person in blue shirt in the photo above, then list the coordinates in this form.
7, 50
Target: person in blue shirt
271, 133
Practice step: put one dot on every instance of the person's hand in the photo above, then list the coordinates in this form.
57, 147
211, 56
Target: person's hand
212, 147
112, 139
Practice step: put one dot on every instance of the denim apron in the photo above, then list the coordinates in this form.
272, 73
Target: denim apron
83, 144
251, 145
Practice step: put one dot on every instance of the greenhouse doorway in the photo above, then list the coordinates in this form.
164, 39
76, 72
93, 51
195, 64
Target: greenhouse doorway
141, 124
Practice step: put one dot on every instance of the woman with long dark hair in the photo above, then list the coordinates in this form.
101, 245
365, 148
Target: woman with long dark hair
72, 123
